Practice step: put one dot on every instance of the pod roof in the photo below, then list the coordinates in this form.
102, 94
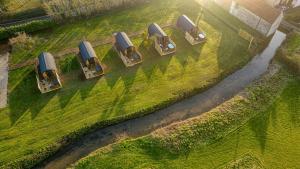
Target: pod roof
155, 29
86, 50
185, 23
123, 41
46, 62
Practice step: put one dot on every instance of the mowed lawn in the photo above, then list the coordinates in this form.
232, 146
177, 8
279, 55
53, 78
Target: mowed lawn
271, 140
128, 20
33, 121
100, 27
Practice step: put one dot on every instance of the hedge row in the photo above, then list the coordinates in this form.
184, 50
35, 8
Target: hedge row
29, 27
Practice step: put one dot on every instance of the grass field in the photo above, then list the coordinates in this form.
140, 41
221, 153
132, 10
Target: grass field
33, 121
129, 20
269, 140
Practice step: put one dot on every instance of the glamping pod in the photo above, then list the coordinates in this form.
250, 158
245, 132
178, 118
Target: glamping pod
46, 73
89, 61
162, 42
192, 33
127, 52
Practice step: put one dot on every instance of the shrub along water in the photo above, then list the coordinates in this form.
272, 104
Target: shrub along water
29, 27
289, 53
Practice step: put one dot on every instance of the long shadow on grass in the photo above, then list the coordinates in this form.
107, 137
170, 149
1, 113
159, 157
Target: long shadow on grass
291, 98
127, 95
230, 45
185, 49
26, 96
116, 67
119, 74
155, 150
71, 76
259, 125
88, 87
152, 59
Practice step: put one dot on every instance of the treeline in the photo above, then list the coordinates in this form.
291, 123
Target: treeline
62, 9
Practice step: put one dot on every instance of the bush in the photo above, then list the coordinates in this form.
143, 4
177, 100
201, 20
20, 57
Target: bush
21, 42
7, 16
68, 64
29, 27
289, 53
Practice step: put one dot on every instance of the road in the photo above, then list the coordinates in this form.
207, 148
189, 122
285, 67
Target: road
3, 79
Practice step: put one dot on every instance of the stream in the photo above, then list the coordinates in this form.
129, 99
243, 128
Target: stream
183, 110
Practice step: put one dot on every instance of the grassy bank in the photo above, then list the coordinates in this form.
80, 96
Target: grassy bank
32, 122
293, 15
268, 140
289, 53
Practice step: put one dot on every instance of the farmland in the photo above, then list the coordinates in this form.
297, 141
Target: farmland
33, 121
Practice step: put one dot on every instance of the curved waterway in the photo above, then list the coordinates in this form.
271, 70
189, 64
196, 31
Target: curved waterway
185, 109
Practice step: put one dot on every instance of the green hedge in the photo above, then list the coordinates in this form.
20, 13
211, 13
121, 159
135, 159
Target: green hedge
29, 27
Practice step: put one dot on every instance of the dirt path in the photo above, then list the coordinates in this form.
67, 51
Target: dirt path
188, 108
3, 79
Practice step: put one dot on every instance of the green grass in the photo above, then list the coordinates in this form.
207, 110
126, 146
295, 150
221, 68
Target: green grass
129, 20
246, 162
290, 52
271, 139
101, 27
33, 121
